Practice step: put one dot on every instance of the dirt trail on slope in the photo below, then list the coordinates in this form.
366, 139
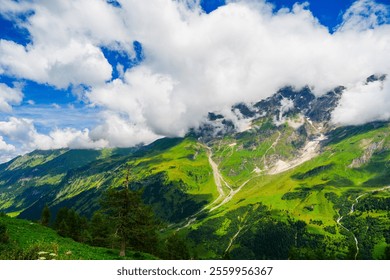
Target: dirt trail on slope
220, 182
218, 179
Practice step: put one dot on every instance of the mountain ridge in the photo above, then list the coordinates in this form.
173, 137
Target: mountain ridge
230, 191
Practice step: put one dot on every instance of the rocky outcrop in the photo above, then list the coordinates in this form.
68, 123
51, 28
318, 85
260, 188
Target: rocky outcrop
368, 153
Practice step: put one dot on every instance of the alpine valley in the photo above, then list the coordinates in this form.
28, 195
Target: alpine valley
286, 184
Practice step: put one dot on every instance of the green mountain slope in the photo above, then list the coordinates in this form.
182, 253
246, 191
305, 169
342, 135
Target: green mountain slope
295, 188
174, 173
352, 163
32, 241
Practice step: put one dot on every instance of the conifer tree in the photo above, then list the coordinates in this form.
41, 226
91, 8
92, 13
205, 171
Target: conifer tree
132, 220
176, 248
60, 223
100, 230
45, 217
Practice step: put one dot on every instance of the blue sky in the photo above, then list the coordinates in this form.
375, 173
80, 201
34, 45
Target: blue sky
328, 12
99, 74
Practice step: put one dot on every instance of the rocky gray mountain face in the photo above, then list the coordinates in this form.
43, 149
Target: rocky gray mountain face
286, 103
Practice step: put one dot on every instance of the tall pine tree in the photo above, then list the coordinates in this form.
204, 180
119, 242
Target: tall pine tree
133, 221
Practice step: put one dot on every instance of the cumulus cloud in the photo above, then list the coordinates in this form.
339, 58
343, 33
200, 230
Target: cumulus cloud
118, 131
7, 151
5, 147
9, 96
24, 132
73, 63
363, 103
65, 41
363, 15
194, 62
243, 51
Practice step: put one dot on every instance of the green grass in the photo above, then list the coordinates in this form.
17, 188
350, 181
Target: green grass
379, 250
330, 172
178, 172
28, 238
186, 162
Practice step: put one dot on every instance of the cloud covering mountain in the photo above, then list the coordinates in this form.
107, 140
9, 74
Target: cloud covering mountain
191, 63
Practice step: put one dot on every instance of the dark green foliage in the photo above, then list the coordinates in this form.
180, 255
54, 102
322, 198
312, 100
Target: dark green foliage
387, 252
176, 248
340, 181
295, 195
132, 220
100, 230
378, 165
4, 237
45, 217
341, 133
69, 223
158, 146
313, 172
374, 203
369, 231
272, 240
262, 236
330, 229
169, 200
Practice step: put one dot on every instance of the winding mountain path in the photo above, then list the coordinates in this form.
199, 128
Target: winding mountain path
218, 178
226, 192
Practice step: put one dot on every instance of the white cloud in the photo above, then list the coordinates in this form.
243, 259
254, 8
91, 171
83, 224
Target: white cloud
120, 132
66, 37
73, 63
194, 62
363, 15
240, 52
18, 129
72, 138
364, 103
23, 131
7, 151
5, 147
9, 96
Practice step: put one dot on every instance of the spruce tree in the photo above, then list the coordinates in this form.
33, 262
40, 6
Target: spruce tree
45, 217
176, 248
60, 223
133, 221
100, 230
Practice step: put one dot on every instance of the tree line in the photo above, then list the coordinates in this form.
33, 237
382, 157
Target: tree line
122, 222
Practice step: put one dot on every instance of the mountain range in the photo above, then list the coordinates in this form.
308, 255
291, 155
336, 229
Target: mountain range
277, 181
